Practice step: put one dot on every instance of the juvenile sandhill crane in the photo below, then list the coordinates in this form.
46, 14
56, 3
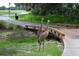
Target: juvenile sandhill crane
42, 35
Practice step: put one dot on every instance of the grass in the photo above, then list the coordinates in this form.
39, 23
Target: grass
5, 12
37, 19
28, 47
30, 18
54, 19
2, 12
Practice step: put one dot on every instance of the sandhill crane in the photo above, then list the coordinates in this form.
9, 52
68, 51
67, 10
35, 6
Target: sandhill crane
42, 35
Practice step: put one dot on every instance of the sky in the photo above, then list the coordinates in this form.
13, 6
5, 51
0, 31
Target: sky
6, 2
7, 5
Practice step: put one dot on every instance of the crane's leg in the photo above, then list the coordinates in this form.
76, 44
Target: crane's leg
43, 45
39, 44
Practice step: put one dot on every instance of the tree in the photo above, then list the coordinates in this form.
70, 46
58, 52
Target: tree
2, 8
69, 10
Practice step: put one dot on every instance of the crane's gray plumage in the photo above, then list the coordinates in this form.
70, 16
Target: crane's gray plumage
42, 35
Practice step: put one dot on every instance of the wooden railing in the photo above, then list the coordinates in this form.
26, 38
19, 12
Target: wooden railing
55, 32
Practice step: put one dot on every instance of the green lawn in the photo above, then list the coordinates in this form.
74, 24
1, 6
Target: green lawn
28, 46
11, 11
37, 19
53, 19
5, 12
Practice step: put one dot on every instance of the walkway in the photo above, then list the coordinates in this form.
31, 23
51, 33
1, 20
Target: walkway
71, 42
6, 18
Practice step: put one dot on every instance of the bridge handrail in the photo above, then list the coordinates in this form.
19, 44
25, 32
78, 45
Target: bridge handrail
57, 32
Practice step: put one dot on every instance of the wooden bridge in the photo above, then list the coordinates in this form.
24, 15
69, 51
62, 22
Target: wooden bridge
52, 31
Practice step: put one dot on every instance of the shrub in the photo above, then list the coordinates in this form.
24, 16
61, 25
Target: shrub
9, 26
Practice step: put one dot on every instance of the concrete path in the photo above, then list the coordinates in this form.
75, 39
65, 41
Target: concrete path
71, 42
6, 18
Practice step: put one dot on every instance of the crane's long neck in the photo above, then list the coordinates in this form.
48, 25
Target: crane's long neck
47, 25
41, 25
40, 28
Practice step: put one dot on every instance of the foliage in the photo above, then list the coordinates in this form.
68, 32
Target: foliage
70, 11
9, 26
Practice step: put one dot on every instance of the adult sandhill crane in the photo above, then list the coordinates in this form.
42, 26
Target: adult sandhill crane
42, 35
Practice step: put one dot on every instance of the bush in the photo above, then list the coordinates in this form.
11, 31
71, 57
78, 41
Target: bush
9, 26
2, 24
